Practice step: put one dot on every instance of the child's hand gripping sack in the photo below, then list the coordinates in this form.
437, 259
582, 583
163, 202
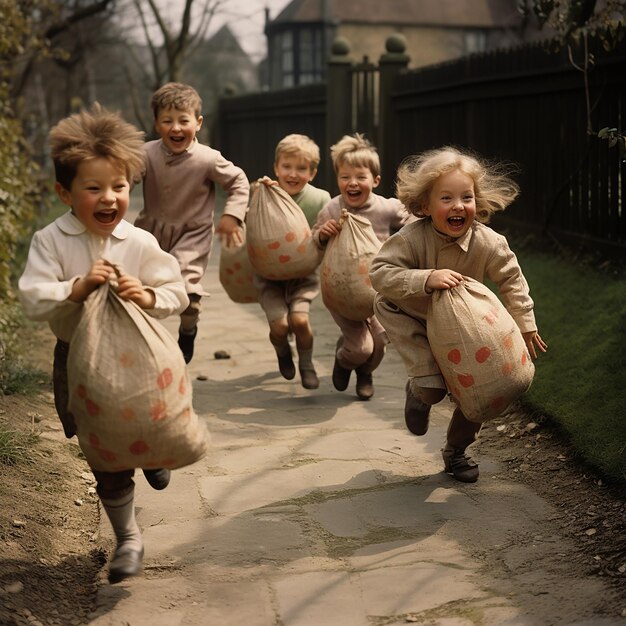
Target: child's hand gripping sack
344, 272
479, 349
279, 241
236, 273
129, 390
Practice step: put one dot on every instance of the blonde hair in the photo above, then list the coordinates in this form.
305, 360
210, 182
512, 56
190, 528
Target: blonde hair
96, 133
178, 95
299, 146
355, 151
494, 190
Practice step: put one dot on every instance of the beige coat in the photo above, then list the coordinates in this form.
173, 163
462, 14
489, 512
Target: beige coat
400, 270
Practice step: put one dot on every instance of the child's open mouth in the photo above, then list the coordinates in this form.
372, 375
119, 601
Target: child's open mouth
105, 217
456, 222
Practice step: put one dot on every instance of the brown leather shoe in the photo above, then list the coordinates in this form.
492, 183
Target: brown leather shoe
341, 376
128, 563
286, 366
186, 342
158, 478
364, 385
461, 466
416, 413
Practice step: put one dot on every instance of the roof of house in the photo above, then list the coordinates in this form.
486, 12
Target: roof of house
449, 13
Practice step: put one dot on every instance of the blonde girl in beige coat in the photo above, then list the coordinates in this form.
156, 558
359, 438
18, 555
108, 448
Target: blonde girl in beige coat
455, 193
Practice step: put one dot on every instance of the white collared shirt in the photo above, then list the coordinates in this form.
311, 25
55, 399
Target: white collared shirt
64, 251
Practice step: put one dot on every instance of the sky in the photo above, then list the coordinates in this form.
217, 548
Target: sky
246, 19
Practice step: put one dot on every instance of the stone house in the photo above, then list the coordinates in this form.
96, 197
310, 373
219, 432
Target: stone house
299, 38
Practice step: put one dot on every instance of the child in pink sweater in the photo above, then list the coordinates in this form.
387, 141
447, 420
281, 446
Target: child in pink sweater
361, 346
179, 190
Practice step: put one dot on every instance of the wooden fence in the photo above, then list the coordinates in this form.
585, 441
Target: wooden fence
525, 106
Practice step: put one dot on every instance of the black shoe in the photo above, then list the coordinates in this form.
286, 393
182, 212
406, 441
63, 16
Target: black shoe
461, 466
286, 366
364, 385
158, 478
185, 342
309, 378
416, 413
341, 376
125, 565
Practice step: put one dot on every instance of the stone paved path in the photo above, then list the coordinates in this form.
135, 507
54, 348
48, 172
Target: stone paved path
314, 508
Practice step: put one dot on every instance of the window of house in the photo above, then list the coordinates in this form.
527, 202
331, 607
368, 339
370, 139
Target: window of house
286, 59
475, 41
298, 57
310, 57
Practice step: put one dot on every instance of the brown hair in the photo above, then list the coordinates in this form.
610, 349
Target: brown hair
178, 95
355, 151
91, 134
494, 190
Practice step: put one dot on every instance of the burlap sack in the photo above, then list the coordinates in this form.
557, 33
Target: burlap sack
236, 273
479, 349
280, 246
130, 393
344, 272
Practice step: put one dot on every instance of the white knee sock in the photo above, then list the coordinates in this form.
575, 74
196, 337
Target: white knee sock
121, 514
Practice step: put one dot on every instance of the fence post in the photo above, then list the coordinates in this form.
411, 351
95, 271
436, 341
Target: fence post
391, 63
338, 104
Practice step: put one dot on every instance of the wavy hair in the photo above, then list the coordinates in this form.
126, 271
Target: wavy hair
355, 151
494, 188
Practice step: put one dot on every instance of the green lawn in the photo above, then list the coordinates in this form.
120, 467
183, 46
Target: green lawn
581, 381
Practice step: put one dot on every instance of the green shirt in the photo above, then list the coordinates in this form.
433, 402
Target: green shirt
311, 200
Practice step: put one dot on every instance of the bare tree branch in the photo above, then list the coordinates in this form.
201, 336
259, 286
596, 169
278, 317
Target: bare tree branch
80, 14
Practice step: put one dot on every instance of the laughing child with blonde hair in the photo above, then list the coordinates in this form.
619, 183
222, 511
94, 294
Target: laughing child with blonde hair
455, 193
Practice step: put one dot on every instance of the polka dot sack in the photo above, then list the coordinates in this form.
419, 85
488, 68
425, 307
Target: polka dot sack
344, 272
279, 241
236, 274
130, 393
479, 349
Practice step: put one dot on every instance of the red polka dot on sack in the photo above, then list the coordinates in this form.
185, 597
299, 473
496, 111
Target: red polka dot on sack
454, 356
81, 391
182, 385
127, 359
138, 447
289, 237
127, 414
498, 403
274, 245
482, 354
466, 380
165, 378
92, 408
107, 455
284, 258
